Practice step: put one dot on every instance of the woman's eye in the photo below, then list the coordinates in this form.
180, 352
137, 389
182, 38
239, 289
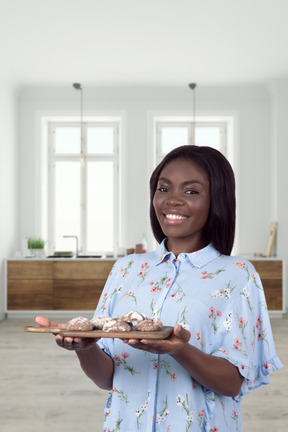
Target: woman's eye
162, 189
191, 192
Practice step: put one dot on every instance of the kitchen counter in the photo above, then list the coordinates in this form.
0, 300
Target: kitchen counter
74, 284
54, 285
104, 258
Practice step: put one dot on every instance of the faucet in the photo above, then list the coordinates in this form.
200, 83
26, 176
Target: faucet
77, 242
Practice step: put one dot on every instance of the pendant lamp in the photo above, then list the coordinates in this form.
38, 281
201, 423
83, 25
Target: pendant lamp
193, 87
77, 86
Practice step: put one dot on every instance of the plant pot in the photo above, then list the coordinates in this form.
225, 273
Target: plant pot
37, 253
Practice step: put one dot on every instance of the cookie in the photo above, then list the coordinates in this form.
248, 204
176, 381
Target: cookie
133, 316
80, 324
149, 325
98, 322
116, 325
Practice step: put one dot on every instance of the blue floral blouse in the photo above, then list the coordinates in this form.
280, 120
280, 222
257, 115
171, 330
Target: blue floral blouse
220, 300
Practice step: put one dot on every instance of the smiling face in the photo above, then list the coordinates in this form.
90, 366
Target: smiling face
182, 203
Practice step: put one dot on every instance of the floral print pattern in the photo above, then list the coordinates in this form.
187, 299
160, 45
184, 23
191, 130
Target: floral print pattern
166, 366
123, 397
132, 296
142, 410
184, 403
164, 413
221, 301
213, 316
144, 271
122, 360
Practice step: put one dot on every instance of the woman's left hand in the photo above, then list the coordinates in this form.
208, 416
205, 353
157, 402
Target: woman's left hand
174, 344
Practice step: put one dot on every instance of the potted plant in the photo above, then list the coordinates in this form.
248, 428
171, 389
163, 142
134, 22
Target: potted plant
36, 246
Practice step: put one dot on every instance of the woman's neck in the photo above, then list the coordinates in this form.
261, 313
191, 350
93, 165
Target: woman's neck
178, 246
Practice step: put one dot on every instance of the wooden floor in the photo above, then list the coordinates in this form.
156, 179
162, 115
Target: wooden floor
42, 388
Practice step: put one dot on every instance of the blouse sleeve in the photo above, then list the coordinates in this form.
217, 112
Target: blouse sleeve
247, 340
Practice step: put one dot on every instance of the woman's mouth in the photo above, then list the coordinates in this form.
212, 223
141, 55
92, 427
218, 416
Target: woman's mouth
174, 218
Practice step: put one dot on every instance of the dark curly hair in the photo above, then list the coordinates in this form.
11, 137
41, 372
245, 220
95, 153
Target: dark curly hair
220, 226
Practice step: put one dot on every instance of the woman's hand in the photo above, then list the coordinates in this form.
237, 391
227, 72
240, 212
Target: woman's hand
69, 343
174, 344
45, 322
214, 373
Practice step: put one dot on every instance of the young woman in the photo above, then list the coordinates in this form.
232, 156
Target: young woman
221, 346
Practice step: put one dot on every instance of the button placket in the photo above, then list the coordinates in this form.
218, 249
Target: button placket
173, 268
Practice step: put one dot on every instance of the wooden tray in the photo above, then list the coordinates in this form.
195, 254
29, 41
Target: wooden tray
40, 329
164, 333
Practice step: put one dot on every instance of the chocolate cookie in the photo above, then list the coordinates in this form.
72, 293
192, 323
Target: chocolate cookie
149, 325
98, 322
80, 324
133, 316
116, 325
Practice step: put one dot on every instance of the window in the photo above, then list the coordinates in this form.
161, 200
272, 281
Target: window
171, 134
83, 187
168, 130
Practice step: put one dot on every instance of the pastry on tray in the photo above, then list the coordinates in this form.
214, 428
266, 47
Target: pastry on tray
98, 322
109, 327
79, 324
149, 325
121, 324
133, 316
117, 325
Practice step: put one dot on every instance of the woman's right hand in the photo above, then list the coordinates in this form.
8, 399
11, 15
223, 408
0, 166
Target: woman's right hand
69, 343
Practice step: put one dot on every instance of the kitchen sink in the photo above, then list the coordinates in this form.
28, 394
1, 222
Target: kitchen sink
89, 256
79, 256
60, 256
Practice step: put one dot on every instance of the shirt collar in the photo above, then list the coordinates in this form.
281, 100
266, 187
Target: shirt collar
199, 258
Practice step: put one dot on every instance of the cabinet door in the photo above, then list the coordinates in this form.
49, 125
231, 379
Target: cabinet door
273, 294
77, 294
271, 274
82, 270
29, 294
29, 270
55, 285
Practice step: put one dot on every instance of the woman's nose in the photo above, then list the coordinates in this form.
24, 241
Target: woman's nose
174, 199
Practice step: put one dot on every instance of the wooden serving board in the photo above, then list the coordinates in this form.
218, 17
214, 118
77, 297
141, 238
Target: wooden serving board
164, 333
40, 329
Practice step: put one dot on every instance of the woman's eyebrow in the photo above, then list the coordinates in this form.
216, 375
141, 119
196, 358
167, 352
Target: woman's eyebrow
187, 182
164, 179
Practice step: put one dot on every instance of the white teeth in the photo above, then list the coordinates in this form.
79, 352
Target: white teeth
174, 217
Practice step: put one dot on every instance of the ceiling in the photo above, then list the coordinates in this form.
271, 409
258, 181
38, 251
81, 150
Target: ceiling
143, 42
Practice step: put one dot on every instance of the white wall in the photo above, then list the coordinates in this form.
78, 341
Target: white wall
8, 183
280, 172
251, 104
260, 113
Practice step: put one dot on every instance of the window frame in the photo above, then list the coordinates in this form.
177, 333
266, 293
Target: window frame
232, 151
52, 157
222, 125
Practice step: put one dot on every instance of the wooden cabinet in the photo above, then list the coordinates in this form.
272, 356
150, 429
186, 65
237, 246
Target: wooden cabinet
78, 285
271, 272
55, 285
20, 270
82, 270
29, 285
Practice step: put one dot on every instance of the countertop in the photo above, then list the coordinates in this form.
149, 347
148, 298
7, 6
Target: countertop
62, 259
